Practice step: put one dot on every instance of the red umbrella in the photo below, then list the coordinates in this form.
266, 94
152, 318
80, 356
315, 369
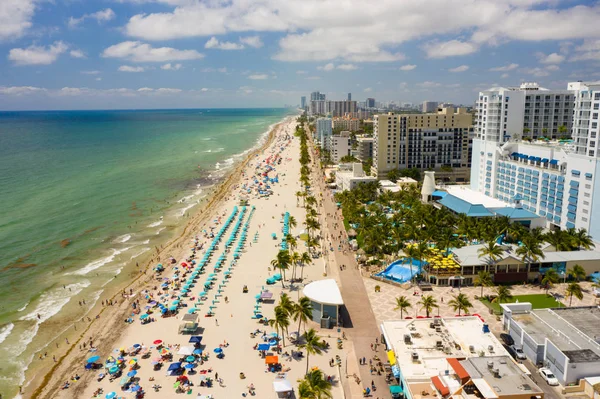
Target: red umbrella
157, 342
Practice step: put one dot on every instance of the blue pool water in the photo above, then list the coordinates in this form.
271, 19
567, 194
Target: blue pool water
399, 270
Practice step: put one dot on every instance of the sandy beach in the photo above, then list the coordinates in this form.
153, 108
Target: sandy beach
231, 324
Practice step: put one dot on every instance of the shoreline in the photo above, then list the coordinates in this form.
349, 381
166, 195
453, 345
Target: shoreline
107, 332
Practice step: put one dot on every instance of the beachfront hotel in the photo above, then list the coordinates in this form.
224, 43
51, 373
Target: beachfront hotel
424, 141
520, 156
323, 132
453, 357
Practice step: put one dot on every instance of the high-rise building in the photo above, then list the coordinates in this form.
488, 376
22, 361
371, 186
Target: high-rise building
317, 107
323, 132
341, 108
429, 106
364, 148
317, 96
534, 112
556, 179
346, 123
370, 103
424, 141
339, 146
303, 102
349, 96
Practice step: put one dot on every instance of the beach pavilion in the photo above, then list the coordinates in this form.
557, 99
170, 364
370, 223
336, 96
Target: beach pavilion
326, 300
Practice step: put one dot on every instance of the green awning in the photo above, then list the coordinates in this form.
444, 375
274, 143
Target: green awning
396, 389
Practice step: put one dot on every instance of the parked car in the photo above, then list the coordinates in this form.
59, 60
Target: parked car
518, 352
548, 376
508, 340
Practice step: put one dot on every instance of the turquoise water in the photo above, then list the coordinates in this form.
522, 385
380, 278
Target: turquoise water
85, 193
400, 270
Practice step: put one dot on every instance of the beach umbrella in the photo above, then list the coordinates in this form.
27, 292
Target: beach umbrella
218, 350
135, 388
137, 346
93, 359
133, 361
144, 316
164, 351
113, 370
191, 310
190, 359
197, 351
173, 308
132, 373
189, 366
111, 395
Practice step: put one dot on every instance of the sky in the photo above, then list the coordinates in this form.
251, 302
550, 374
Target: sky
133, 54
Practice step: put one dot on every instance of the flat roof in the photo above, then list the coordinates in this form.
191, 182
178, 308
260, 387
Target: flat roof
459, 205
453, 340
324, 291
575, 331
475, 197
510, 379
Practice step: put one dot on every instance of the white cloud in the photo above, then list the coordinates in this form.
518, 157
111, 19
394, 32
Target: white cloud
504, 75
15, 18
171, 67
407, 67
37, 55
508, 67
368, 90
94, 72
429, 84
321, 30
204, 89
142, 52
347, 67
100, 17
553, 68
539, 72
252, 41
553, 58
461, 68
77, 54
262, 76
20, 90
98, 79
331, 66
214, 43
451, 48
127, 68
589, 50
312, 78
326, 67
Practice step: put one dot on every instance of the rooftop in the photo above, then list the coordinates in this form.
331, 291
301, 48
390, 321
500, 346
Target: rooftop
459, 205
324, 291
499, 376
575, 331
474, 197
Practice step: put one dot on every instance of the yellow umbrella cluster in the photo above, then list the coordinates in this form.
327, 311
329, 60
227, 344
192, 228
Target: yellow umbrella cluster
437, 260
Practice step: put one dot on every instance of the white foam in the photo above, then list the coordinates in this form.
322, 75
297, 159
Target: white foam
146, 242
98, 262
5, 331
220, 149
22, 308
156, 224
122, 239
159, 230
143, 250
185, 209
52, 301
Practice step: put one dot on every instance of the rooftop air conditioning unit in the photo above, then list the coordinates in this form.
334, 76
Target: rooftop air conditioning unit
496, 372
447, 350
491, 348
490, 365
471, 349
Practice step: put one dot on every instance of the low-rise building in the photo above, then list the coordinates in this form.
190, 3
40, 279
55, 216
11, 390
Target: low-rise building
450, 357
346, 123
349, 176
401, 183
339, 146
565, 340
364, 148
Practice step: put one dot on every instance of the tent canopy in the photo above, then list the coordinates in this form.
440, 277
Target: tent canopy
186, 350
271, 359
282, 386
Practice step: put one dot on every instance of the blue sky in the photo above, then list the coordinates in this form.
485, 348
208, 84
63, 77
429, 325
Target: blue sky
77, 54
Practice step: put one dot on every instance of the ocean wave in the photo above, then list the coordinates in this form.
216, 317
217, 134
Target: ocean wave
185, 209
98, 262
22, 308
156, 224
226, 164
146, 242
206, 138
5, 331
220, 149
52, 301
159, 230
122, 239
143, 250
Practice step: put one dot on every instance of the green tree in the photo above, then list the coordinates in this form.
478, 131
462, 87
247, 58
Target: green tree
349, 159
428, 303
305, 259
295, 260
286, 303
550, 278
302, 311
292, 222
367, 164
562, 129
559, 239
503, 294
581, 239
574, 290
393, 175
281, 321
314, 386
492, 251
402, 304
530, 250
291, 241
460, 302
312, 344
578, 272
282, 262
483, 279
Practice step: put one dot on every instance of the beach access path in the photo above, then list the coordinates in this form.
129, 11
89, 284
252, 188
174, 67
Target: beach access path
360, 324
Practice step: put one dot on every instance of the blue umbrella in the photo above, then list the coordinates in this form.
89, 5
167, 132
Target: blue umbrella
93, 359
191, 310
113, 370
111, 395
135, 388
136, 346
218, 350
132, 373
189, 366
144, 316
197, 351
173, 308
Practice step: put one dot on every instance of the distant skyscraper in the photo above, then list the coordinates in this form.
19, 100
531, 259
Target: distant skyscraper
429, 106
370, 103
317, 96
303, 102
349, 96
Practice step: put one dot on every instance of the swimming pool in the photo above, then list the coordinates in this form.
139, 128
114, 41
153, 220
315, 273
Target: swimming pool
399, 271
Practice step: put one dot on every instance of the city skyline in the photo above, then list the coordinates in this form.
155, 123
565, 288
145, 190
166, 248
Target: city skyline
187, 53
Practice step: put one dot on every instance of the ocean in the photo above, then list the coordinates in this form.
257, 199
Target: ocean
84, 194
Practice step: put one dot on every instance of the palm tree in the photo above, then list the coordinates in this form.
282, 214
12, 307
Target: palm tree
530, 250
574, 290
578, 272
294, 259
314, 386
292, 242
402, 304
460, 302
299, 194
503, 294
428, 303
312, 344
559, 239
492, 251
286, 303
292, 222
581, 239
281, 321
302, 311
550, 278
282, 262
483, 279
305, 259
